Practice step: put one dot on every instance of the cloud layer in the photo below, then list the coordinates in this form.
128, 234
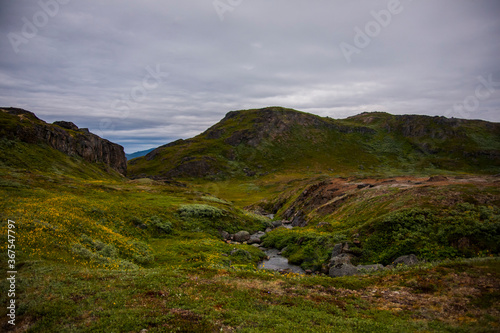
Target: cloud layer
143, 73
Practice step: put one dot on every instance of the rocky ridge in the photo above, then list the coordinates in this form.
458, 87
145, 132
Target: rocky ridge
19, 124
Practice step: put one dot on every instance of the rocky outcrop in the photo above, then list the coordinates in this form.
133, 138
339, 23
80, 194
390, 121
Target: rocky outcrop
65, 137
340, 262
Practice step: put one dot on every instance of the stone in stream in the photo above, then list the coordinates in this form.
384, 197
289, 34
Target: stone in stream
276, 224
255, 238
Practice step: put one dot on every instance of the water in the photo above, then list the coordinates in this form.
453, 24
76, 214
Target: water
277, 262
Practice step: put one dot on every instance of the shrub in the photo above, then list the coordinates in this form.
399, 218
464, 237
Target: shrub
201, 211
160, 225
462, 231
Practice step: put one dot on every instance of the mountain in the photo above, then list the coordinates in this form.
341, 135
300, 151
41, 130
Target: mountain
261, 141
138, 153
21, 126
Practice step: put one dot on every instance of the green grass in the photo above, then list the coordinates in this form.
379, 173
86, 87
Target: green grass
255, 143
96, 252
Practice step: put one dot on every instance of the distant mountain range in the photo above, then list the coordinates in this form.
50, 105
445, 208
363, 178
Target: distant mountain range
258, 142
139, 153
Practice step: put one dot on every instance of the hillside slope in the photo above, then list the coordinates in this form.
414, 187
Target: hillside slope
25, 129
261, 141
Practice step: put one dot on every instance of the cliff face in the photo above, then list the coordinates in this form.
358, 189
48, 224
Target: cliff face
63, 136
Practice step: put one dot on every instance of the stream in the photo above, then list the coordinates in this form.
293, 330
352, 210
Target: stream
277, 262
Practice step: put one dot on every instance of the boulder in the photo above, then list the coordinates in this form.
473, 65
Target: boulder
407, 260
342, 258
255, 238
346, 269
276, 224
241, 236
225, 235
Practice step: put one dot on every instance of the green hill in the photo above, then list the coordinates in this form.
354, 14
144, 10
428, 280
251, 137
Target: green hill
276, 140
95, 251
31, 143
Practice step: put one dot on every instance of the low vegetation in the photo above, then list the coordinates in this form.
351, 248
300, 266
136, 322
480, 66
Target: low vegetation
96, 251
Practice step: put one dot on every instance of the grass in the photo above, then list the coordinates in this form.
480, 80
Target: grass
195, 282
69, 298
96, 252
251, 144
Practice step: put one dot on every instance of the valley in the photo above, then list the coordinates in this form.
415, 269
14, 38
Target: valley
149, 248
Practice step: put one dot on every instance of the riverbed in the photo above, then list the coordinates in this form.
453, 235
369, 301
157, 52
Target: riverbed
277, 262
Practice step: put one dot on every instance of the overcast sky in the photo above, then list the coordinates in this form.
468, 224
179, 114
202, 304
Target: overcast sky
144, 73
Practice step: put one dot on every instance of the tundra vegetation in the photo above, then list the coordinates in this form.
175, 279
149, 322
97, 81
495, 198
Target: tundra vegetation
97, 251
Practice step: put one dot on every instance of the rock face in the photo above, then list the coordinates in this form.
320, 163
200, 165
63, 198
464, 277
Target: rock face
65, 137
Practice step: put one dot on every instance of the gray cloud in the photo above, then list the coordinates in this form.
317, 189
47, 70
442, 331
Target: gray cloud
88, 61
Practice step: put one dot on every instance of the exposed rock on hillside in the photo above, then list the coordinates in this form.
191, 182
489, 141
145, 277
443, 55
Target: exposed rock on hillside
258, 142
64, 136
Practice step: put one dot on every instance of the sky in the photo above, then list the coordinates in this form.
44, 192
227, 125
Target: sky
145, 73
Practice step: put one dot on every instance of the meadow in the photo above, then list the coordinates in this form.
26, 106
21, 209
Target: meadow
109, 254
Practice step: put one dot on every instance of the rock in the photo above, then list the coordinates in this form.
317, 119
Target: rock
345, 248
276, 224
308, 271
255, 244
255, 238
408, 260
241, 236
298, 220
269, 230
337, 249
342, 270
67, 138
286, 221
225, 235
343, 258
66, 125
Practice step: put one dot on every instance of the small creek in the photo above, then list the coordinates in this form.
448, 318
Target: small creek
277, 262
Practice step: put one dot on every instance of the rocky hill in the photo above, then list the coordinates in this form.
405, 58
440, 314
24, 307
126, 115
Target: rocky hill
258, 142
66, 137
